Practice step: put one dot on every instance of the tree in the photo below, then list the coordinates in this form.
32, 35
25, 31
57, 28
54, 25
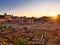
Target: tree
5, 14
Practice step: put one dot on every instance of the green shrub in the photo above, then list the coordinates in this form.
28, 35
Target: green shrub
5, 26
3, 39
20, 41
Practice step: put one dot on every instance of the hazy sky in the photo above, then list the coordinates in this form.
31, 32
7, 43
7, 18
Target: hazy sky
30, 8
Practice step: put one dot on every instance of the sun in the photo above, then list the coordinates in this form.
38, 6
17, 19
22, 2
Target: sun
54, 14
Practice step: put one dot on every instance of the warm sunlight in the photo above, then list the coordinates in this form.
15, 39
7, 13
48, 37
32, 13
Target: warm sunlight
54, 14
